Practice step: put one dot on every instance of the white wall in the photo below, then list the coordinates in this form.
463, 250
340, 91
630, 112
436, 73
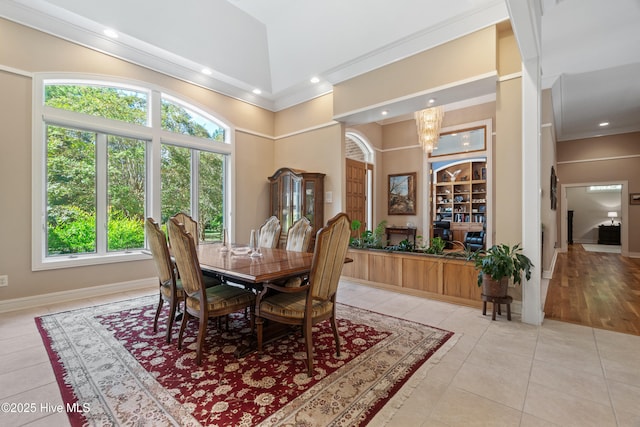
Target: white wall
590, 210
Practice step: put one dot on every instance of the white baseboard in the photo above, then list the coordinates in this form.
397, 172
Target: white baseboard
64, 296
548, 274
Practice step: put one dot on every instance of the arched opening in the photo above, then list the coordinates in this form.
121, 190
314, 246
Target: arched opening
359, 179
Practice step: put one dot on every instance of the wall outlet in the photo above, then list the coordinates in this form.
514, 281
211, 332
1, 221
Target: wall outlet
4, 280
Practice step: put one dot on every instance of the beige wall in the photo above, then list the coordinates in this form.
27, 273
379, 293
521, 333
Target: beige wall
321, 150
548, 217
464, 58
605, 159
31, 51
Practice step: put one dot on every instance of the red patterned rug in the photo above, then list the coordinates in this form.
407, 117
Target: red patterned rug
113, 369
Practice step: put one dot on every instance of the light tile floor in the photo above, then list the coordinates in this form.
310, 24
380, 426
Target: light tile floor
499, 373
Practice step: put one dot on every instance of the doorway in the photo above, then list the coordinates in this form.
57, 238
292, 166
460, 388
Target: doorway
359, 180
594, 204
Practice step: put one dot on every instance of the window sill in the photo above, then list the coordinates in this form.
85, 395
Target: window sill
70, 261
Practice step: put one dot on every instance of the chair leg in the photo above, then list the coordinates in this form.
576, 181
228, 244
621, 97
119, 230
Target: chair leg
308, 339
334, 326
258, 322
202, 332
172, 315
185, 319
155, 320
252, 318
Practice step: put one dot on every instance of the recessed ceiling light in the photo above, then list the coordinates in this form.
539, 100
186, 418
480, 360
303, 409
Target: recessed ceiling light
257, 91
111, 33
315, 80
207, 71
432, 100
604, 124
384, 112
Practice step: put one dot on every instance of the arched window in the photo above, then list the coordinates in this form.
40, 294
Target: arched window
110, 154
357, 148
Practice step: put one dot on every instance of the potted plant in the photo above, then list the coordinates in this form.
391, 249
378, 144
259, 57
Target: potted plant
499, 263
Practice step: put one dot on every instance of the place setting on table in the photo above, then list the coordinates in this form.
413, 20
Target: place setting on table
252, 263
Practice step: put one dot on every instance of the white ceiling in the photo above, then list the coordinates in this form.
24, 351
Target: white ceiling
589, 48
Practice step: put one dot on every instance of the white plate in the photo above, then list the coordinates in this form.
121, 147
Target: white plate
241, 251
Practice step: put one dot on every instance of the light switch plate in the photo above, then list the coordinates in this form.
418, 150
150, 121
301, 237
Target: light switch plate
328, 197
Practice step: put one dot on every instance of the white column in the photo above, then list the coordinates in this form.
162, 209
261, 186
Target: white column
532, 310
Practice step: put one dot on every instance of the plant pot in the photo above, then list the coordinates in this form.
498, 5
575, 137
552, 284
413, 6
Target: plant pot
494, 288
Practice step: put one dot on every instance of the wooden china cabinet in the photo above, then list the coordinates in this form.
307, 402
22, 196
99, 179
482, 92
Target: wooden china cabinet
293, 194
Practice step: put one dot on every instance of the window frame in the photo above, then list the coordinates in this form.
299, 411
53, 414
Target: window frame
154, 136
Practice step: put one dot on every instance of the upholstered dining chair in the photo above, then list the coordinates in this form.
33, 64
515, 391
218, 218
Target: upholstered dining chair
298, 240
170, 284
190, 224
269, 233
200, 302
315, 300
299, 235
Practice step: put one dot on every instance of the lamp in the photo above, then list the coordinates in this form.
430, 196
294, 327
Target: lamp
428, 123
612, 215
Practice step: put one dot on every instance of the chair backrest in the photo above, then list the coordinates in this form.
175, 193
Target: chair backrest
332, 242
160, 251
190, 224
184, 251
270, 233
299, 235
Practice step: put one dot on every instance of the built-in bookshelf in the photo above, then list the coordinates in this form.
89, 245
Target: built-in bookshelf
461, 192
460, 196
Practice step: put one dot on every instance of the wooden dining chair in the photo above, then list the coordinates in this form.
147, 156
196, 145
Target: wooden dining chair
269, 235
171, 289
315, 300
190, 224
200, 302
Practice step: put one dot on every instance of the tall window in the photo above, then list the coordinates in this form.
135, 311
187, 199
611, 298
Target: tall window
101, 148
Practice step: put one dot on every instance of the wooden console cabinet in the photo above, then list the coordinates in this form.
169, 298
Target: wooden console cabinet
609, 235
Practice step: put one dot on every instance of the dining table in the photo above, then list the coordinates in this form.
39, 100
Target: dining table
236, 264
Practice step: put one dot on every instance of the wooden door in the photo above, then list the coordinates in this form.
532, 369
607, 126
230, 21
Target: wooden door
356, 192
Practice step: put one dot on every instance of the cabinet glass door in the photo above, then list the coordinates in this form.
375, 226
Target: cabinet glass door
275, 205
285, 205
296, 203
309, 194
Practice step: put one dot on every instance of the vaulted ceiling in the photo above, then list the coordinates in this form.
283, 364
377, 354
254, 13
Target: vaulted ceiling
589, 56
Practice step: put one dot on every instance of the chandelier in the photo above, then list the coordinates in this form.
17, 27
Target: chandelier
428, 123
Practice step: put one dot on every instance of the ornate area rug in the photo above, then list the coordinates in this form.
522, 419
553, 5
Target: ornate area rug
113, 369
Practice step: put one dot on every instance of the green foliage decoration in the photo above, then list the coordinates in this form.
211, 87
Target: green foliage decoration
71, 171
501, 261
368, 238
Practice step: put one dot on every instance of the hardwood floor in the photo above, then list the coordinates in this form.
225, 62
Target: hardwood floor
596, 289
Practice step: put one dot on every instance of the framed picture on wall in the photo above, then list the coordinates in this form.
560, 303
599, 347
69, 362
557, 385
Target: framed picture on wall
553, 189
402, 194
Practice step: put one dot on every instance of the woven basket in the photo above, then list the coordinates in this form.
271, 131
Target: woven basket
494, 288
